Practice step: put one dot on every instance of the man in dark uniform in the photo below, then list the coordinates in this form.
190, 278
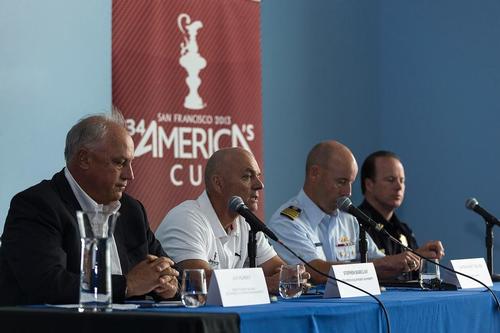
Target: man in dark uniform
383, 185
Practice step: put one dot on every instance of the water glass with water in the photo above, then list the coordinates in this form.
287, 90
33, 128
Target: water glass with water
429, 275
193, 288
290, 285
96, 230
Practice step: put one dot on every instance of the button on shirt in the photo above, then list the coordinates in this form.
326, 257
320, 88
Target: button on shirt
192, 230
395, 227
88, 204
317, 235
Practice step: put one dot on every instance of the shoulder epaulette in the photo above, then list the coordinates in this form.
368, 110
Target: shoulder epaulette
291, 212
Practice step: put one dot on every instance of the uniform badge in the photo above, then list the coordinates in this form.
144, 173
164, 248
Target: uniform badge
291, 212
344, 240
402, 239
345, 249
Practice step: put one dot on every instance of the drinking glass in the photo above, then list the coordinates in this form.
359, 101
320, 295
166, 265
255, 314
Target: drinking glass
290, 285
429, 275
194, 288
96, 230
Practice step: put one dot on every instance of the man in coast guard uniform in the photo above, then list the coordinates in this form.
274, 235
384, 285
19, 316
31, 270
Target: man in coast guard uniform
312, 226
301, 224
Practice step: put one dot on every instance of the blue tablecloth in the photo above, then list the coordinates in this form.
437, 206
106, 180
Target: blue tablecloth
409, 311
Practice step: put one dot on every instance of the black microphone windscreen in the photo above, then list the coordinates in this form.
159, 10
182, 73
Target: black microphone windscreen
471, 203
343, 203
235, 203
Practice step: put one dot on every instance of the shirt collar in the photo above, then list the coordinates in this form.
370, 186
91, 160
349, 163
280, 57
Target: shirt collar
375, 215
85, 201
314, 213
213, 219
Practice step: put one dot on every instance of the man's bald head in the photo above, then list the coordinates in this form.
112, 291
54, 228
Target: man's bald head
327, 152
222, 162
232, 172
330, 171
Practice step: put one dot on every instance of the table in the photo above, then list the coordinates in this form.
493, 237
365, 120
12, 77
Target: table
51, 319
409, 310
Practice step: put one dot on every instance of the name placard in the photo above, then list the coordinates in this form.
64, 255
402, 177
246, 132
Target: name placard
360, 275
237, 287
475, 267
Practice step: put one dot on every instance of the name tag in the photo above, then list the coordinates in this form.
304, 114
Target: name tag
237, 287
475, 267
360, 275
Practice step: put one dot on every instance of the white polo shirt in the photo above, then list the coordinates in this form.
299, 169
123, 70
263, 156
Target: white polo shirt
192, 230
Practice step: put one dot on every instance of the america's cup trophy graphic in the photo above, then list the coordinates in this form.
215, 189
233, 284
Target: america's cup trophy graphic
191, 60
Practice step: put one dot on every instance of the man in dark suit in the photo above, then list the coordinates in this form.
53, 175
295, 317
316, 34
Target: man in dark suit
40, 251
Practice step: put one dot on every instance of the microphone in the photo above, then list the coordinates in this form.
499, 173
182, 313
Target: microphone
472, 204
237, 205
345, 205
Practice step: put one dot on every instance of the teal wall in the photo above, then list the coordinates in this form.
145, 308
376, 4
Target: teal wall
421, 78
55, 67
440, 109
320, 82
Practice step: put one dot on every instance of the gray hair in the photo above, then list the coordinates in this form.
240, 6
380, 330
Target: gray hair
90, 130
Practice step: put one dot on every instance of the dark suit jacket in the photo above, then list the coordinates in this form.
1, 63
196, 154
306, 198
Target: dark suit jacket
40, 251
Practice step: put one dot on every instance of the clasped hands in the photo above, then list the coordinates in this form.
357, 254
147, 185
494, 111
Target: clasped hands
431, 250
153, 274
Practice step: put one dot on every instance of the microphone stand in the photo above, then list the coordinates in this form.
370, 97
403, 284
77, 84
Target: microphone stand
363, 244
489, 251
442, 266
252, 247
344, 204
